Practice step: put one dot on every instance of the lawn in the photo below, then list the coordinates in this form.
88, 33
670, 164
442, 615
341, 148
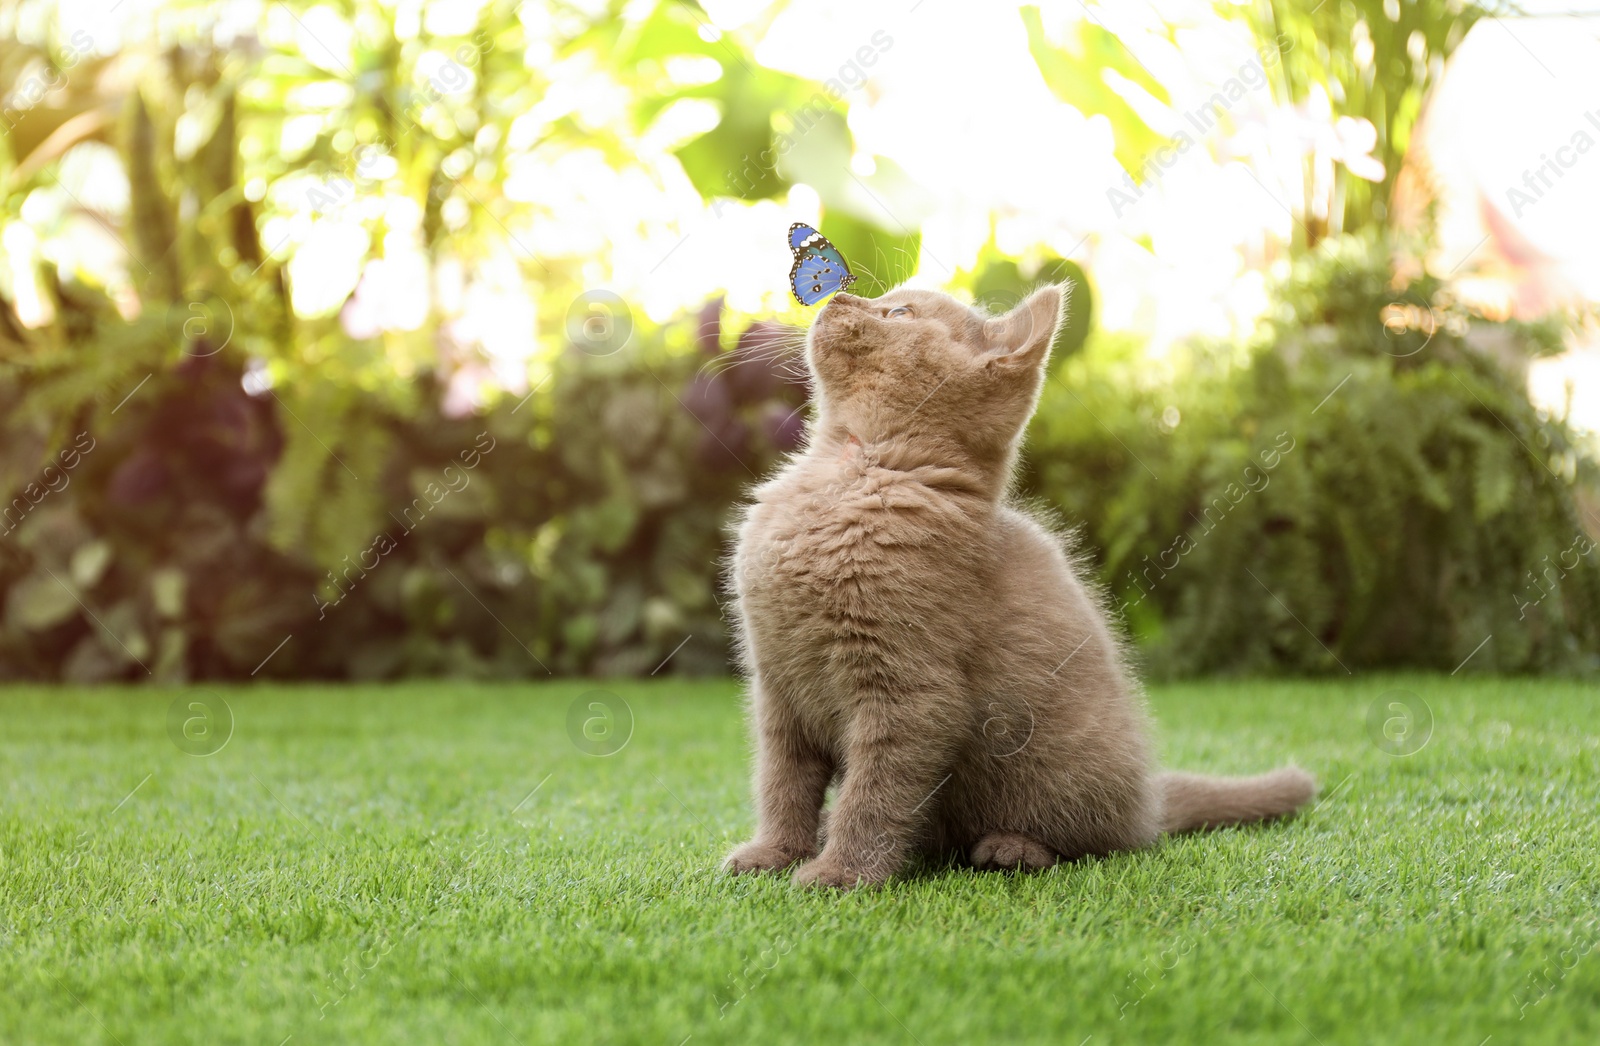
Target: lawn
442, 863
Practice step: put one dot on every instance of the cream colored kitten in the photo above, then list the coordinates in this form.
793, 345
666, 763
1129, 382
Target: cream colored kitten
930, 648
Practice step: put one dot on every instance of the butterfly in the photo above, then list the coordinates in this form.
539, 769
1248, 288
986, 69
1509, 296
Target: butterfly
819, 269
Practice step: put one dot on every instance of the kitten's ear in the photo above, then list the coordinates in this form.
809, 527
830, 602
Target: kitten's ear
1021, 338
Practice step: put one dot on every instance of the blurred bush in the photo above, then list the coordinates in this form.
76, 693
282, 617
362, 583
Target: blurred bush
202, 476
1366, 487
579, 530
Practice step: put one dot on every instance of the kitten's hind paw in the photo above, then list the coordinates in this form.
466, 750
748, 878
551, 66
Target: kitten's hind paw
757, 856
1011, 850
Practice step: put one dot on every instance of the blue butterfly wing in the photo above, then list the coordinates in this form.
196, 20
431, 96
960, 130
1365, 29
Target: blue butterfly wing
819, 269
818, 275
799, 233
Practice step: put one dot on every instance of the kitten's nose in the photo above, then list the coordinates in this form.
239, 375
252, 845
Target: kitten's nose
848, 299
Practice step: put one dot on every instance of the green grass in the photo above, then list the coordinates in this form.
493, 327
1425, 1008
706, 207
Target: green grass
377, 864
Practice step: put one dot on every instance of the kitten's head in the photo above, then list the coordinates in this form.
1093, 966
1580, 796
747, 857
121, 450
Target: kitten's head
919, 363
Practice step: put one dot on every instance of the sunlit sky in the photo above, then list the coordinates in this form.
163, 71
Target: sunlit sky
956, 100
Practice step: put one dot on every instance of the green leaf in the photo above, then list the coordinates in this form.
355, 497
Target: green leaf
1074, 72
89, 563
739, 157
39, 602
820, 157
167, 586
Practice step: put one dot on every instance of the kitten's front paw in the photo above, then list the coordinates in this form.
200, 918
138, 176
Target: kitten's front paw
757, 856
830, 870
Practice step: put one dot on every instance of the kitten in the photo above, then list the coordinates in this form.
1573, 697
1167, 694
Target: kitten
930, 648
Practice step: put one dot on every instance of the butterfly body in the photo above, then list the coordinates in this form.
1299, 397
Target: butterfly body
819, 269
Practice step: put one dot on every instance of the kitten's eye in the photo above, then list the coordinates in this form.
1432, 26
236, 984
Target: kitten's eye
899, 310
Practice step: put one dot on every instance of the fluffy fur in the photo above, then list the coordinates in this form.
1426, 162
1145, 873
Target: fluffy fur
929, 648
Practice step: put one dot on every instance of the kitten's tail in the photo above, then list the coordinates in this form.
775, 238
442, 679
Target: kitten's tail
1195, 801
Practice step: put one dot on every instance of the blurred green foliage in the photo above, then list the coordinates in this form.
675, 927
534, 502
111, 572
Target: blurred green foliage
1372, 59
1364, 60
1075, 71
196, 481
578, 531
325, 522
1366, 487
